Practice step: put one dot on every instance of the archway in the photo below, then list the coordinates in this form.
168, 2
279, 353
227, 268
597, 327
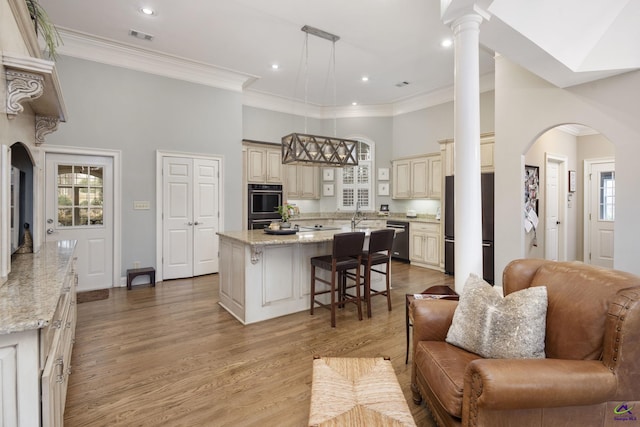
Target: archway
22, 195
568, 149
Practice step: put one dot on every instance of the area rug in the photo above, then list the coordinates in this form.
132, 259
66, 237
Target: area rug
88, 296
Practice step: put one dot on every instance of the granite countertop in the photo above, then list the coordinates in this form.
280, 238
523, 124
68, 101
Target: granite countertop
339, 216
259, 237
30, 296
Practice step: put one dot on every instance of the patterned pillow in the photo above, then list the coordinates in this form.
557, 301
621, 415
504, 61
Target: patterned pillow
494, 327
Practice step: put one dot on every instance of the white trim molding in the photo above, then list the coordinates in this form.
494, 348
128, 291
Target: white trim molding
106, 51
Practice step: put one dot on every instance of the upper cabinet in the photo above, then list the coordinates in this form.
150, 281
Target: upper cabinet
264, 163
302, 182
417, 177
486, 154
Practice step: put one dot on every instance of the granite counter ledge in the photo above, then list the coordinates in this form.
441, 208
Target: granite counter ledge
30, 296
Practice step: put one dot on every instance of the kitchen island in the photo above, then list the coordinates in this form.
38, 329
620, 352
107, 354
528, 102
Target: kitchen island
263, 276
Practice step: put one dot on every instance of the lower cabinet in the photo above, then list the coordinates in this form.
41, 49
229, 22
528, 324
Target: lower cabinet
57, 366
424, 244
35, 365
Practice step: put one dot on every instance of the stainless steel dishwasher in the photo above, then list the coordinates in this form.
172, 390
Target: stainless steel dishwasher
401, 242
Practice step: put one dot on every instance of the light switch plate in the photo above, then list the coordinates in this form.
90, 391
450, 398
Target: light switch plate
141, 205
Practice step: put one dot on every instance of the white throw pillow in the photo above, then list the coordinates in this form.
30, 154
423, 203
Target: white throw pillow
494, 327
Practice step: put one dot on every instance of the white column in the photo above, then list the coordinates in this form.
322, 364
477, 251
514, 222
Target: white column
468, 200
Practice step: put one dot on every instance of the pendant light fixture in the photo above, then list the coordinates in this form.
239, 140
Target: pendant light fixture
302, 148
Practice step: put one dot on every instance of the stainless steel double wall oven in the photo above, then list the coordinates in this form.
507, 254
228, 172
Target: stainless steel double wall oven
263, 203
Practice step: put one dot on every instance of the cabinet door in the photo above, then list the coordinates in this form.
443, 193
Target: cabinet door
420, 178
309, 182
486, 157
274, 166
256, 165
435, 177
401, 179
432, 249
417, 249
291, 175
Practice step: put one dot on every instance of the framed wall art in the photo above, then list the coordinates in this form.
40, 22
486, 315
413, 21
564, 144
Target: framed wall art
327, 174
383, 189
383, 174
572, 181
531, 187
327, 189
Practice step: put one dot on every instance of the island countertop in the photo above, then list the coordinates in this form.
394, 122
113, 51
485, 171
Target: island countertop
259, 237
29, 298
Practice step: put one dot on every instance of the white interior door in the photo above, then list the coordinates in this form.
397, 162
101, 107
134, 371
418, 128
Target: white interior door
177, 208
602, 196
552, 219
79, 206
205, 214
190, 217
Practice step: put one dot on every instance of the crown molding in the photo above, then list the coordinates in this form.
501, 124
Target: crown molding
576, 129
106, 51
92, 48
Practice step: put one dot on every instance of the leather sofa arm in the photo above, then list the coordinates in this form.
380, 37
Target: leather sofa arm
535, 383
431, 319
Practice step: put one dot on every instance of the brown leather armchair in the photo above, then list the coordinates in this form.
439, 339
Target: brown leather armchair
591, 373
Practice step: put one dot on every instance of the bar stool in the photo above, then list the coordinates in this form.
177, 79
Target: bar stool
379, 252
346, 255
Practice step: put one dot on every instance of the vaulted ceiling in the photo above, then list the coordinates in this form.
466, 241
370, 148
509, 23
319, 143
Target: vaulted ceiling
396, 44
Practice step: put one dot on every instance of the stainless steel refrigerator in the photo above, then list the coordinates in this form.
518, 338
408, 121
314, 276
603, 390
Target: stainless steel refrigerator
487, 186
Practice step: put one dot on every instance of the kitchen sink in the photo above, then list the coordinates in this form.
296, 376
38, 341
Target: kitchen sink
318, 227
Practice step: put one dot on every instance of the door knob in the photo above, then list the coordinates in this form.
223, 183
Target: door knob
49, 230
557, 222
190, 223
196, 223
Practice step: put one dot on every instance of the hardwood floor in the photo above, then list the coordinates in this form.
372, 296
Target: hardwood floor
170, 355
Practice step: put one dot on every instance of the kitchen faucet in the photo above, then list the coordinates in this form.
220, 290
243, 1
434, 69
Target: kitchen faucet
356, 218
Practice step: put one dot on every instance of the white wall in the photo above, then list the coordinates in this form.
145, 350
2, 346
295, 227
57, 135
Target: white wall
418, 132
589, 147
120, 109
526, 107
563, 144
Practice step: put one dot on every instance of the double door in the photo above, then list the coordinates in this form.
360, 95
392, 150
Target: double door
190, 217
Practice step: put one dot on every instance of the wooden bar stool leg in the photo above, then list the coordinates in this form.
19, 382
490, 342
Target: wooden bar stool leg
333, 296
367, 287
358, 295
313, 287
388, 286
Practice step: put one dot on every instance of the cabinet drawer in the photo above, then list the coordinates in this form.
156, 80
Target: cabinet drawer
425, 227
58, 322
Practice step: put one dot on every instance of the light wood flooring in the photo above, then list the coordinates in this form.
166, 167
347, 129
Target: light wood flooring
170, 355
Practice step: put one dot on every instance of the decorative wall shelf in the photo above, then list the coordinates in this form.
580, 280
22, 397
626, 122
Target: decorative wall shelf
35, 81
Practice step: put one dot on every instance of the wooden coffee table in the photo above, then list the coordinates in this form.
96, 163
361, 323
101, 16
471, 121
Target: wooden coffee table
357, 391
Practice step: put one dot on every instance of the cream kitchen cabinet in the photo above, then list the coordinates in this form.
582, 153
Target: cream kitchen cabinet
424, 244
264, 163
302, 182
486, 154
37, 331
417, 177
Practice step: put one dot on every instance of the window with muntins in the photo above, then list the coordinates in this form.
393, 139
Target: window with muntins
80, 195
355, 183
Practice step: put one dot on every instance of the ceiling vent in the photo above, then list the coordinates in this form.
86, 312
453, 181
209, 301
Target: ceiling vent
402, 84
140, 35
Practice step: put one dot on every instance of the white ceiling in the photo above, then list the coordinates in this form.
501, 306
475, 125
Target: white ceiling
390, 41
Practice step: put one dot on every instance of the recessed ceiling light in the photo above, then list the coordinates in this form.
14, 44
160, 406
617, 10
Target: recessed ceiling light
354, 103
446, 43
365, 78
275, 66
148, 11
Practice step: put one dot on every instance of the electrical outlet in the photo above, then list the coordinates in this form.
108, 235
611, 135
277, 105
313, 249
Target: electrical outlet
136, 264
